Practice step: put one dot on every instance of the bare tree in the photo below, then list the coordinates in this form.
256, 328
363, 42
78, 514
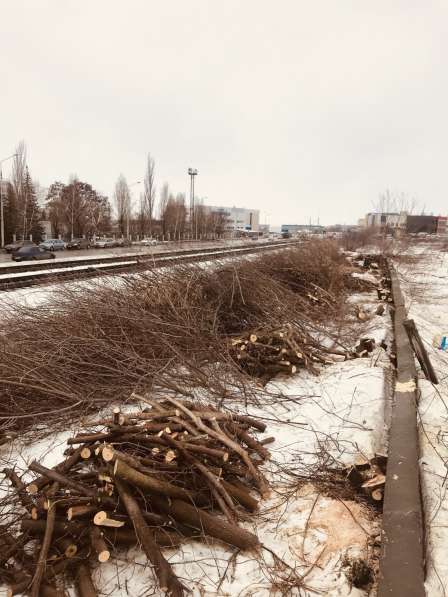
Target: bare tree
389, 202
149, 194
122, 198
18, 183
19, 170
164, 196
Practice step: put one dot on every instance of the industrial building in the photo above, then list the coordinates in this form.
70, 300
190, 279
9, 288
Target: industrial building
238, 219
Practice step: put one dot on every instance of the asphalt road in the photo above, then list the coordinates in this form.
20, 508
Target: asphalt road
162, 247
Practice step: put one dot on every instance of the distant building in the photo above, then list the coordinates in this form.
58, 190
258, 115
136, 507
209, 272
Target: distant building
418, 224
302, 229
442, 225
386, 219
238, 219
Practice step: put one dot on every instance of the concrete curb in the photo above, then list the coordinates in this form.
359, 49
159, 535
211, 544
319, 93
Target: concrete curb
402, 553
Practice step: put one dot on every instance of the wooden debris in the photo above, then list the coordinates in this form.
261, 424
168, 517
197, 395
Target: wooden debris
179, 471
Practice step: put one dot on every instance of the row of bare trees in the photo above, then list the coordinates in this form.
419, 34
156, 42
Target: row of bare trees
76, 209
169, 219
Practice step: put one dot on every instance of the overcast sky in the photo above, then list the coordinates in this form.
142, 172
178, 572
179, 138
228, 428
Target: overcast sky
303, 109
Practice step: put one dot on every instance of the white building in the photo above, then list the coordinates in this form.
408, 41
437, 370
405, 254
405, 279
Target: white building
238, 219
386, 220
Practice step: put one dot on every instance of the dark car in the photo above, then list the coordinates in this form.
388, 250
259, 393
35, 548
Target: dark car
31, 254
78, 243
18, 244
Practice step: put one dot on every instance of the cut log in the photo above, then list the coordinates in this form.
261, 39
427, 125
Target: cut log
205, 522
103, 519
63, 467
86, 453
63, 480
127, 473
354, 477
218, 434
168, 581
36, 528
99, 544
377, 495
43, 554
84, 583
80, 511
66, 547
376, 482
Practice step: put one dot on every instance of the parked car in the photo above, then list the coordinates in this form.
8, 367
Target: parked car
18, 244
33, 253
78, 243
147, 242
123, 242
52, 244
105, 243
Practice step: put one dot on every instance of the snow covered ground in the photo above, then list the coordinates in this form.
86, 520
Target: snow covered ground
425, 285
324, 421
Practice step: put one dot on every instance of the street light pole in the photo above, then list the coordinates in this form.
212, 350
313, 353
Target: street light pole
192, 172
2, 227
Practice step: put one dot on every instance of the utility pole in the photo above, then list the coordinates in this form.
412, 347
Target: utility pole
192, 172
2, 233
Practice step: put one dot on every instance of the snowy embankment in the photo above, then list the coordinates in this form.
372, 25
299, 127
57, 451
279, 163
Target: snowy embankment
425, 285
315, 529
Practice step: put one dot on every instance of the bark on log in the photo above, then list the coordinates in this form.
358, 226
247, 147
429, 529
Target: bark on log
218, 434
102, 518
41, 563
168, 581
80, 511
99, 544
36, 528
84, 583
127, 473
63, 467
205, 522
62, 479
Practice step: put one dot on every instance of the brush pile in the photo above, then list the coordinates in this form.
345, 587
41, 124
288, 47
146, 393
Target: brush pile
167, 332
173, 472
266, 353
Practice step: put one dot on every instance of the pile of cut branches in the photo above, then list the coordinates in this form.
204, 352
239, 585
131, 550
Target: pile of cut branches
164, 331
266, 353
173, 472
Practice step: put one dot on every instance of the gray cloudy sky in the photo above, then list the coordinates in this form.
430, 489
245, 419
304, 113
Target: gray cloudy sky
299, 108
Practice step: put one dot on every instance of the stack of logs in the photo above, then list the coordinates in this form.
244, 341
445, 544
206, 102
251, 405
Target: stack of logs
369, 476
264, 354
173, 472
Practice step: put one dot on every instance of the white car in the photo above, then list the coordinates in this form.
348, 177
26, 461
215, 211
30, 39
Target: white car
105, 243
147, 242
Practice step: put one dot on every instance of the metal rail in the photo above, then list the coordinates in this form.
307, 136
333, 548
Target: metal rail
32, 274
